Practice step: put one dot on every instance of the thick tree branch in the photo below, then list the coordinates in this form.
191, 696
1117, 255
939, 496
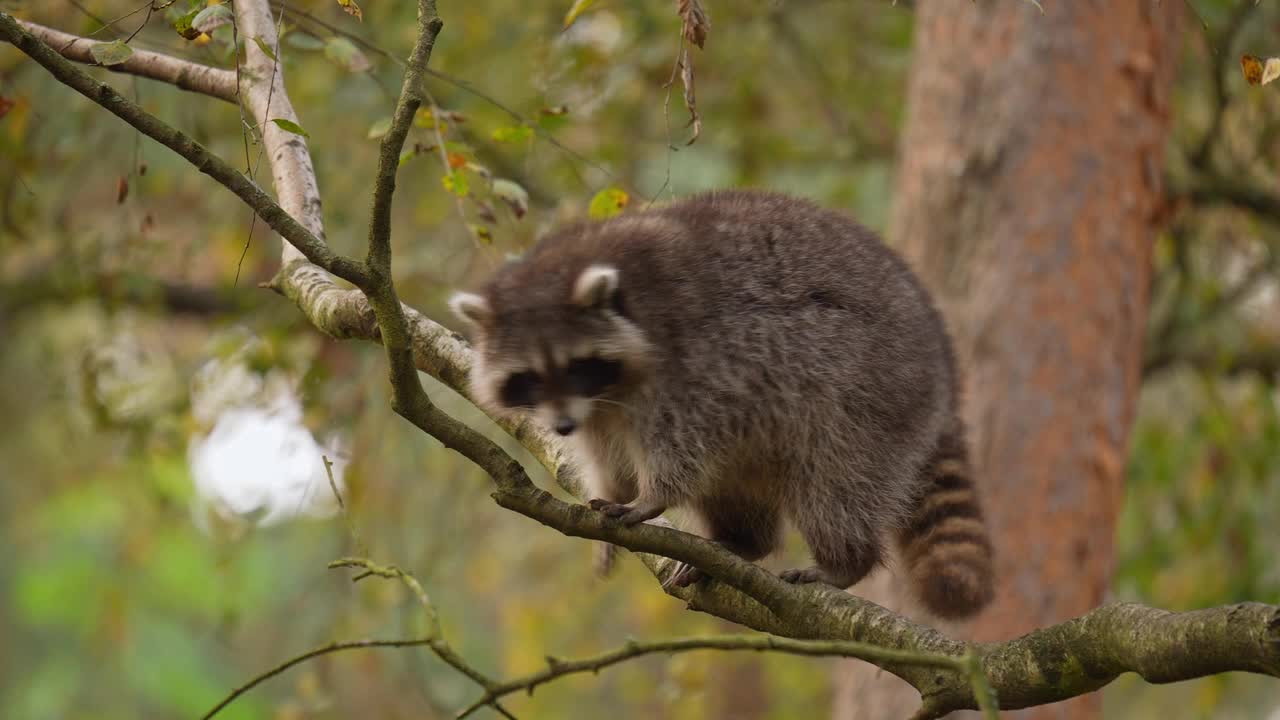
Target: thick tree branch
1044, 666
184, 74
1084, 654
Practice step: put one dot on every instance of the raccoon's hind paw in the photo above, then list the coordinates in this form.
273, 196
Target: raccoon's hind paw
815, 574
627, 513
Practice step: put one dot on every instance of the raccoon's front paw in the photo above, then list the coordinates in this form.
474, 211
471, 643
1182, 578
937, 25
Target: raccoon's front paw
627, 513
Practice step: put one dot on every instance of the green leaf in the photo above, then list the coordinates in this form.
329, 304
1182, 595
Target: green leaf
211, 18
379, 128
516, 197
515, 134
347, 56
579, 7
456, 183
290, 126
266, 49
607, 203
111, 53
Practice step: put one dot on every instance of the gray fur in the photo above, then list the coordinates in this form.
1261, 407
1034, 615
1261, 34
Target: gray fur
777, 359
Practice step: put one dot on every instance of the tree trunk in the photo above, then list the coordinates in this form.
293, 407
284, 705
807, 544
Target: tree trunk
1028, 193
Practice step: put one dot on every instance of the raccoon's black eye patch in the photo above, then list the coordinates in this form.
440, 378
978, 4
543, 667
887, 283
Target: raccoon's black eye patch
591, 376
521, 389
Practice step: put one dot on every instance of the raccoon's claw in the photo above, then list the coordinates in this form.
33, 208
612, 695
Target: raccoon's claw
627, 514
684, 576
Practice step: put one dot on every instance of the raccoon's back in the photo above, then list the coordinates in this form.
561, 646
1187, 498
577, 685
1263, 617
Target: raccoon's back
766, 296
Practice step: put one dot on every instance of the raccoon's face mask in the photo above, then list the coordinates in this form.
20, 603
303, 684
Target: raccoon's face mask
561, 364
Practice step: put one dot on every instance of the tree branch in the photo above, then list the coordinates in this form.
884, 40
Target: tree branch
435, 633
1082, 655
299, 659
433, 639
557, 668
184, 74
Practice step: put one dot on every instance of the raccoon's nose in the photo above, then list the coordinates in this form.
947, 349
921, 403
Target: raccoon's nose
566, 425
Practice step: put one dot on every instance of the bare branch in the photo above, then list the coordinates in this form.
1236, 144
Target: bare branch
433, 639
184, 74
435, 634
557, 668
299, 659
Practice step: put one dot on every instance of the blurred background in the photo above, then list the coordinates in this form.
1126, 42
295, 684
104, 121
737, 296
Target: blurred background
165, 511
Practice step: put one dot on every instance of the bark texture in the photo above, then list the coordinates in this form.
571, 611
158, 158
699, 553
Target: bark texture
1028, 190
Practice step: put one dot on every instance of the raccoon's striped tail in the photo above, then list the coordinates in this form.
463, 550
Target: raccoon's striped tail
945, 547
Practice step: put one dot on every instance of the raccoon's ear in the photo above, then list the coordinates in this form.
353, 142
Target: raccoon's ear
596, 286
471, 308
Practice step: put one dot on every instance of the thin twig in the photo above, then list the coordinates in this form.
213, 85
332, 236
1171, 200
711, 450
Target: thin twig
760, 643
342, 507
434, 634
296, 660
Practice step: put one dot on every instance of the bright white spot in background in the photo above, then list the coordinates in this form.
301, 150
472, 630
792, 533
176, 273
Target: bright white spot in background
258, 462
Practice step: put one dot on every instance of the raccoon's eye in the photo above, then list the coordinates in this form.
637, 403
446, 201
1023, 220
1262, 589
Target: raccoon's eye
591, 376
520, 389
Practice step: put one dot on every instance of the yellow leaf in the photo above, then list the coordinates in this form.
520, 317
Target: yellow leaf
1252, 67
607, 203
351, 8
579, 7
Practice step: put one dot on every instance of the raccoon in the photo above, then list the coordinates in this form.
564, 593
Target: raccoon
745, 356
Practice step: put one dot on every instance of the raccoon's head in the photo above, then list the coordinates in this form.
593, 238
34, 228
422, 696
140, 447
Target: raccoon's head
561, 359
